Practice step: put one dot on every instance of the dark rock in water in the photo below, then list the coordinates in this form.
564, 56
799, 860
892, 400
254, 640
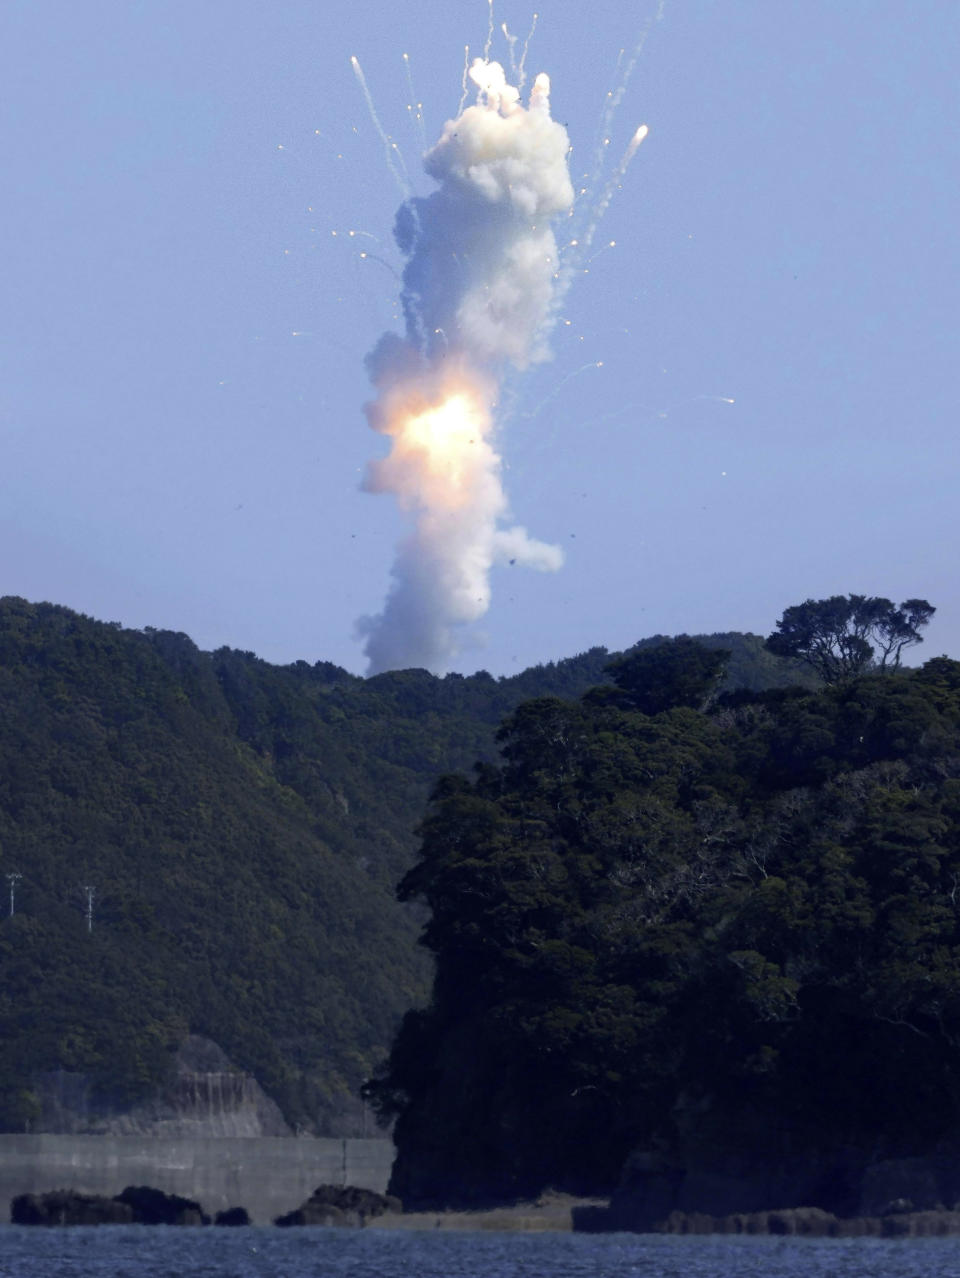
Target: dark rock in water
232, 1216
810, 1222
67, 1207
340, 1205
137, 1205
154, 1207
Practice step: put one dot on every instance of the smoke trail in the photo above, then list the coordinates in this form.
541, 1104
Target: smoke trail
413, 106
597, 210
590, 206
616, 94
477, 292
522, 68
390, 147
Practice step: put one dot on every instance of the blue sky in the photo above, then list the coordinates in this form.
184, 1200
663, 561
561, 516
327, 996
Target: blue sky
183, 337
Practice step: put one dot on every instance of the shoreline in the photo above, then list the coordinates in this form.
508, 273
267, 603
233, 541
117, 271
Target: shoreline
551, 1212
566, 1213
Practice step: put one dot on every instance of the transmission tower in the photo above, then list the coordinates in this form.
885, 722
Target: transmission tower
90, 893
13, 878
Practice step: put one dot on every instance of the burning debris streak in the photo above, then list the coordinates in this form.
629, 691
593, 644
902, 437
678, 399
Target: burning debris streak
477, 297
597, 210
590, 207
391, 150
413, 106
625, 71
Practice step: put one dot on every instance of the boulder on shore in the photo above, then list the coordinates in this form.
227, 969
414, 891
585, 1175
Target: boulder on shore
232, 1216
154, 1207
136, 1205
68, 1207
340, 1206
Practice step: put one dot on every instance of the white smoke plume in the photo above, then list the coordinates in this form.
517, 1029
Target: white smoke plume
477, 297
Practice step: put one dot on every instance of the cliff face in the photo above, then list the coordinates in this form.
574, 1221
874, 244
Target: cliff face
205, 1095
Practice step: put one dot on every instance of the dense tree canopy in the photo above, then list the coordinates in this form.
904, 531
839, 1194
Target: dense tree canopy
735, 926
678, 672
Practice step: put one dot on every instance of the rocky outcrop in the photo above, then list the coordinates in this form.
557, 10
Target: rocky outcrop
67, 1207
154, 1207
136, 1205
814, 1222
233, 1216
655, 1184
843, 1194
205, 1095
339, 1206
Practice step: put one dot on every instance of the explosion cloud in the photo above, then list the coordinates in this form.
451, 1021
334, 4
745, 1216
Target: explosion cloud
478, 292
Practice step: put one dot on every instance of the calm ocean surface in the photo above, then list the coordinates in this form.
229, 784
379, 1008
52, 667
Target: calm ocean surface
143, 1252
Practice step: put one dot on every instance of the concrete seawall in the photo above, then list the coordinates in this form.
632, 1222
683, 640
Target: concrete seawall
268, 1175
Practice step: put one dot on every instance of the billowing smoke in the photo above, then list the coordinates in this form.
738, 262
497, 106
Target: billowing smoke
477, 297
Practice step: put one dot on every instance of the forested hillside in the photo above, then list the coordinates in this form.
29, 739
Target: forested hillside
725, 933
243, 827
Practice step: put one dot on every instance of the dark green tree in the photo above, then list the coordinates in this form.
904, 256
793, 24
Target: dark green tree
846, 635
677, 672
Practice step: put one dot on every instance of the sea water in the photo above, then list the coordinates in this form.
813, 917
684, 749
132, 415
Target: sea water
164, 1252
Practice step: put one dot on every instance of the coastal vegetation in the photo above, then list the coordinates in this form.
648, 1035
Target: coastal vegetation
727, 923
698, 896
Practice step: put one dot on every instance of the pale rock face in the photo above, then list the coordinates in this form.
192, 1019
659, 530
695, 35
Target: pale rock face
207, 1097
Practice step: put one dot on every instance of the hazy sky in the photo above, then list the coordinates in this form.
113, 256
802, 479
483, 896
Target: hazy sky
183, 337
